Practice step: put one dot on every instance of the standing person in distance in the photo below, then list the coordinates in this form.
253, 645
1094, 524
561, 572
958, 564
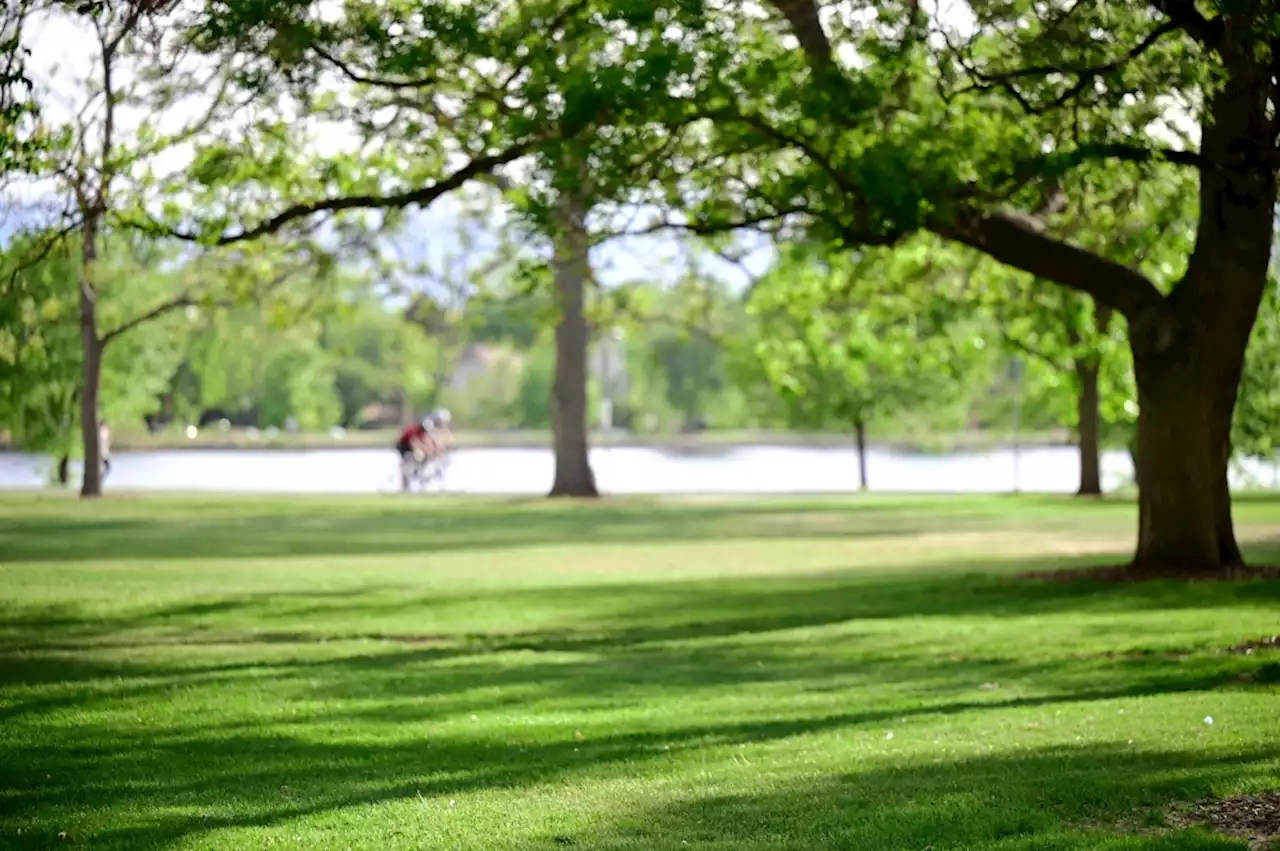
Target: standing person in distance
104, 441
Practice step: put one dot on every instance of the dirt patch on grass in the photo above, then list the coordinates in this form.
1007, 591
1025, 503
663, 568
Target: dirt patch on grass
1244, 648
1252, 818
1126, 573
1248, 648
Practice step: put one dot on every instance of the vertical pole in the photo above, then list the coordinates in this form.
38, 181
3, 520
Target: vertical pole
1016, 371
606, 388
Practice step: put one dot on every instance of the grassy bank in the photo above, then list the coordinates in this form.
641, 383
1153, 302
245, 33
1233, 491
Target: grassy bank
400, 673
211, 438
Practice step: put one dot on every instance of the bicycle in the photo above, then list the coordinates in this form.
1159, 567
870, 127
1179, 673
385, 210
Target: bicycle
422, 471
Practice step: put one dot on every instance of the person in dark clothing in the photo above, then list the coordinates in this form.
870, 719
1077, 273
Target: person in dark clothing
413, 445
413, 437
104, 445
422, 442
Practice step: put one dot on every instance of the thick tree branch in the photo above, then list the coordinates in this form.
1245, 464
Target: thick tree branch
169, 306
1138, 154
1054, 166
1050, 167
185, 300
1031, 351
711, 228
849, 191
760, 125
49, 243
1275, 92
368, 79
1020, 243
499, 181
1183, 13
1085, 75
806, 25
1023, 245
1084, 70
422, 196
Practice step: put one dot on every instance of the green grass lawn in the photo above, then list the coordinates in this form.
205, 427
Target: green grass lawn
400, 673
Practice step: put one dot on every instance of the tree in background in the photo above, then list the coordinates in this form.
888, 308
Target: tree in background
1256, 426
571, 274
1145, 221
381, 357
687, 325
560, 217
865, 134
443, 98
848, 340
39, 344
145, 97
22, 137
44, 369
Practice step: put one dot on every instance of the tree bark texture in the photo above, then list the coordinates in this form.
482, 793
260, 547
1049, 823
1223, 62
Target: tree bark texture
91, 364
1188, 363
860, 435
571, 271
1088, 429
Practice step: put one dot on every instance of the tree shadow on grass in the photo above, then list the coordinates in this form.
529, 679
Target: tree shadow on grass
168, 789
151, 787
625, 646
394, 684
214, 530
614, 614
1095, 797
211, 529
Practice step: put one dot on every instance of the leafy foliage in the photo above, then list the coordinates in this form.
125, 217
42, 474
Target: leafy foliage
41, 353
1256, 425
22, 138
846, 340
39, 342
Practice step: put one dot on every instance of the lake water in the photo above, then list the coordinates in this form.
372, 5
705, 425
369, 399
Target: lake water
621, 470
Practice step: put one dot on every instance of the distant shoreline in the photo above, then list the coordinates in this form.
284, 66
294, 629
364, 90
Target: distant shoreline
210, 439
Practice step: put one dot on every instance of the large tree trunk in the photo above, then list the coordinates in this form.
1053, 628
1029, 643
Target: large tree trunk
1188, 361
1189, 346
1088, 428
91, 365
1184, 506
860, 435
571, 270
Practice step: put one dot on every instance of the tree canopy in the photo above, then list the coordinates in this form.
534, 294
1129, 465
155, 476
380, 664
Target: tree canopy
1126, 152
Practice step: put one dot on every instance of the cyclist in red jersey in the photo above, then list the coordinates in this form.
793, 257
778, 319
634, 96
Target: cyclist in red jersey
412, 444
422, 442
412, 438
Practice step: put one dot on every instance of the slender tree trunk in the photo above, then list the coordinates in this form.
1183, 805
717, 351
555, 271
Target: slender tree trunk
91, 364
91, 484
260, 378
1088, 428
1188, 361
571, 271
860, 435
